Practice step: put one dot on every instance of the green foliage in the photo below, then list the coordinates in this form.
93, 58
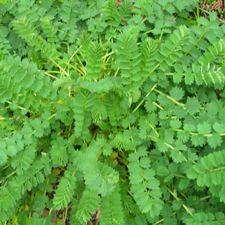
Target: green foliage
112, 210
93, 56
209, 171
83, 210
144, 186
65, 190
206, 219
111, 113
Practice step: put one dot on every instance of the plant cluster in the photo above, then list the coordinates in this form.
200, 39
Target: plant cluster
111, 112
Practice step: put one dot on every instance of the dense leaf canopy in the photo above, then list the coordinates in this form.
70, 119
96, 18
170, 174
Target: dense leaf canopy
112, 112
